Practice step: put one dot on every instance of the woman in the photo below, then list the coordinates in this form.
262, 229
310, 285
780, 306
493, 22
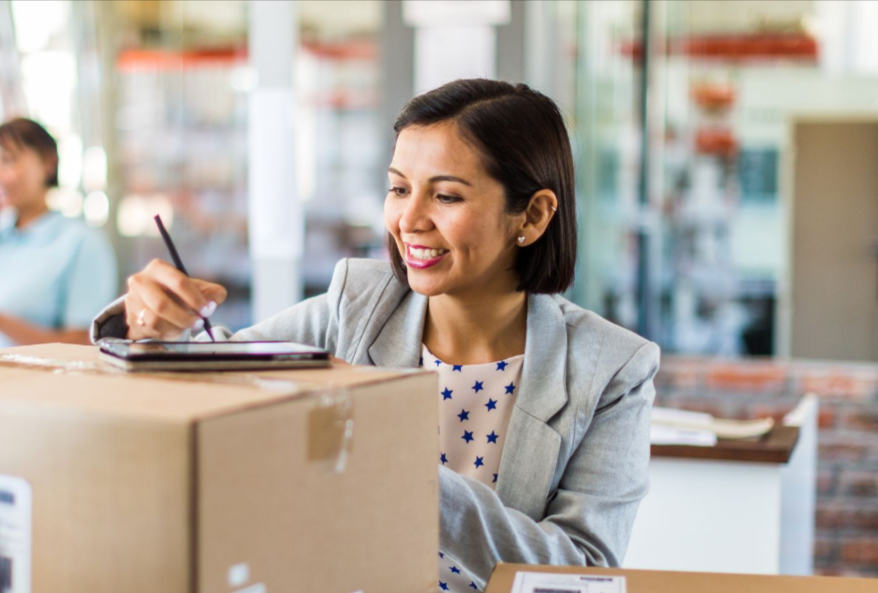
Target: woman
56, 272
482, 236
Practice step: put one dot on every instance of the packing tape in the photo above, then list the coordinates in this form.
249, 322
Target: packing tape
48, 364
331, 429
58, 366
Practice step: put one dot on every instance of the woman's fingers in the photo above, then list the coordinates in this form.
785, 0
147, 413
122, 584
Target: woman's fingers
162, 302
143, 323
177, 284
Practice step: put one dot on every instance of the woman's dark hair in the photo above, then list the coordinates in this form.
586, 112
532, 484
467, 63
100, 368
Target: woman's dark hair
22, 133
523, 141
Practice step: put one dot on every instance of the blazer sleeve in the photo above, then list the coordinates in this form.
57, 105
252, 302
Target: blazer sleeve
589, 518
314, 321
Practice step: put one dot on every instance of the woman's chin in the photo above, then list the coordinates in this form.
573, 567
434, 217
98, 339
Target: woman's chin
423, 286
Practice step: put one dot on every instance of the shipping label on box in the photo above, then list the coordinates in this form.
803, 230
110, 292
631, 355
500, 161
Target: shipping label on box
16, 518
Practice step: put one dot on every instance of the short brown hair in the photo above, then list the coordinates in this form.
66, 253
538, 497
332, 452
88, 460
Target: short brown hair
26, 133
522, 137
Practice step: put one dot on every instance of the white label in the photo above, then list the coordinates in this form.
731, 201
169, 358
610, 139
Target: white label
239, 574
16, 520
257, 588
542, 582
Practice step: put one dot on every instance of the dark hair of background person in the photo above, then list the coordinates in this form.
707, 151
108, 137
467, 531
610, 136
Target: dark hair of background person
522, 138
25, 133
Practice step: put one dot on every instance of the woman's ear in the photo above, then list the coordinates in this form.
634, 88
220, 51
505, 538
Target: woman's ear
539, 212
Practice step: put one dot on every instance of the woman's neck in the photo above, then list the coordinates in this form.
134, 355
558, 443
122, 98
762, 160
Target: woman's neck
476, 330
28, 215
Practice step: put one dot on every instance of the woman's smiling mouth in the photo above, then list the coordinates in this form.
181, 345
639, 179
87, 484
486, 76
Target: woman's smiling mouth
420, 257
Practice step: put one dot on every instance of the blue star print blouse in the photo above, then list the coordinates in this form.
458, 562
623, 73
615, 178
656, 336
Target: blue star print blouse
475, 404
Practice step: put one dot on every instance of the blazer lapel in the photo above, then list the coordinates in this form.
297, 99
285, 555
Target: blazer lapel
530, 453
531, 449
398, 344
543, 389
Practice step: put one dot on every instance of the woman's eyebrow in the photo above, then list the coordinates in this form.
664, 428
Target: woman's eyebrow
434, 179
450, 178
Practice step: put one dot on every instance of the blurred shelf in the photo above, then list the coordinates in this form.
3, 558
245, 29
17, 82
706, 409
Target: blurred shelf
172, 59
736, 47
165, 59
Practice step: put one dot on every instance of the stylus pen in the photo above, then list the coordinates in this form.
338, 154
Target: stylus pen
179, 263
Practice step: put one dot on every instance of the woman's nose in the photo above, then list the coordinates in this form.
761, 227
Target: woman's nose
415, 215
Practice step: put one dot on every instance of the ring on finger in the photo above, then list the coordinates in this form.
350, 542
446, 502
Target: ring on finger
140, 316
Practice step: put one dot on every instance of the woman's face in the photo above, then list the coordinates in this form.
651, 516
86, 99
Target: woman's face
447, 215
22, 178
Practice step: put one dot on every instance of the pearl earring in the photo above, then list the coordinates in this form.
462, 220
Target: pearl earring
521, 240
554, 209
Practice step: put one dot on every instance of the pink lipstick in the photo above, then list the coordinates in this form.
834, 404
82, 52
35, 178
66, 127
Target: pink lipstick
421, 263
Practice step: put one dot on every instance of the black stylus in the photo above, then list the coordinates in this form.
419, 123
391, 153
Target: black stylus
179, 263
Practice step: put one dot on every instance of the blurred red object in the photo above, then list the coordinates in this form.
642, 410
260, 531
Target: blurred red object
757, 46
720, 142
713, 96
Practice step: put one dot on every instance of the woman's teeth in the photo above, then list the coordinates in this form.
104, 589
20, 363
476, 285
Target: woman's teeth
426, 253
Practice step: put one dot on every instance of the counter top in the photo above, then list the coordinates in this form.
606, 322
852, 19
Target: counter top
775, 447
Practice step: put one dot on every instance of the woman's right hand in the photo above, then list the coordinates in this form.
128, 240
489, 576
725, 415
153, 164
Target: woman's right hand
162, 302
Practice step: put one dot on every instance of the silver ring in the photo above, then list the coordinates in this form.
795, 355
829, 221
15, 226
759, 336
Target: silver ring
140, 315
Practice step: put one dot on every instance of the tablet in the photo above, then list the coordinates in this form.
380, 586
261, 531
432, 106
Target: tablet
212, 356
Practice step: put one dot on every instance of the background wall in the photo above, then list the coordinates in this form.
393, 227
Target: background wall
846, 538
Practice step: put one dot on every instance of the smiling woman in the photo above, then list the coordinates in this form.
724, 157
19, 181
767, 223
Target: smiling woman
544, 407
527, 166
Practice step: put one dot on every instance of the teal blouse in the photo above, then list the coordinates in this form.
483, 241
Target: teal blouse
57, 272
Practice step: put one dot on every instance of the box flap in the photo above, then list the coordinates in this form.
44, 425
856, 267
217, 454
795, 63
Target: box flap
70, 375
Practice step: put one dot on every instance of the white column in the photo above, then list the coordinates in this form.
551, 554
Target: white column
276, 220
454, 39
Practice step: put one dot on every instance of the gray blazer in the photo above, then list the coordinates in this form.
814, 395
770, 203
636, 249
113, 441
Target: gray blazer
574, 465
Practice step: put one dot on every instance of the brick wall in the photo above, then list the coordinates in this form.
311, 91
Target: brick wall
846, 538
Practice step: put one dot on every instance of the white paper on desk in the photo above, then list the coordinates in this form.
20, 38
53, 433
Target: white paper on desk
541, 582
681, 427
672, 416
667, 435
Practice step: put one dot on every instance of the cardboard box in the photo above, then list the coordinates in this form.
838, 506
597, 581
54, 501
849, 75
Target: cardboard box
284, 481
654, 581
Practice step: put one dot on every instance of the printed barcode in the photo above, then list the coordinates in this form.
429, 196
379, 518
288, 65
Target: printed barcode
5, 574
544, 590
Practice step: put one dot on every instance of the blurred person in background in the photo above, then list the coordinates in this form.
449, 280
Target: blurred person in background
56, 273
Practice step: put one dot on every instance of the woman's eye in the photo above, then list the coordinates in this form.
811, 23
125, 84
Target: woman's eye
400, 191
446, 199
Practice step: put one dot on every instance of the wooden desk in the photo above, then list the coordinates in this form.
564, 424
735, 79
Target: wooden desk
653, 581
737, 507
776, 447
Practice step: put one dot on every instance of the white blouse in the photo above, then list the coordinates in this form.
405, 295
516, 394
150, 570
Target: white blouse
475, 404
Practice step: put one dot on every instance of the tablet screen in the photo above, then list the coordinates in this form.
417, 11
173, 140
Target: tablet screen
211, 349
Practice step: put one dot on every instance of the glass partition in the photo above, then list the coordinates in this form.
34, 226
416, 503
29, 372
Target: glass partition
684, 212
